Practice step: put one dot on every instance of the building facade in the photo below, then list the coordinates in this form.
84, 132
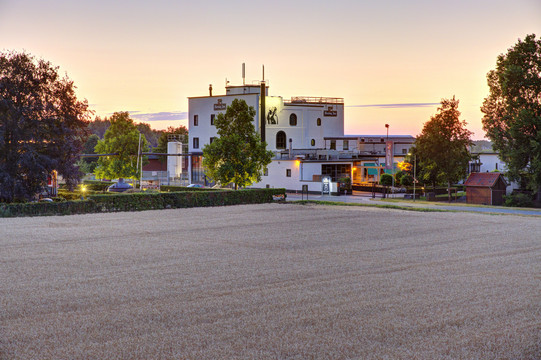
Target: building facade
305, 133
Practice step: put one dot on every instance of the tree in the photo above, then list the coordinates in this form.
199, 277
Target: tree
238, 155
42, 126
99, 126
442, 148
150, 134
88, 164
512, 111
121, 138
164, 138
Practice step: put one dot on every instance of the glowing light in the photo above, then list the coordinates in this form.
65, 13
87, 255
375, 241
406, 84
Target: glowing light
404, 166
297, 162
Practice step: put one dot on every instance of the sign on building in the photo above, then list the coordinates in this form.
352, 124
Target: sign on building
389, 155
326, 185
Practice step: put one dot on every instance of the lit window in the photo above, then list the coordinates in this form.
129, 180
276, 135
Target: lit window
212, 119
313, 142
318, 121
196, 143
195, 120
281, 140
288, 172
293, 120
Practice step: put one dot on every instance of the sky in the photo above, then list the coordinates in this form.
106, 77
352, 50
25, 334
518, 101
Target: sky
392, 61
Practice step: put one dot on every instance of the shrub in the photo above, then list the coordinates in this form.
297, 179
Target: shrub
96, 185
169, 188
386, 179
141, 201
518, 200
406, 180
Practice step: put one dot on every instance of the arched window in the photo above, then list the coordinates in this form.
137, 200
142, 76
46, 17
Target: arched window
293, 120
281, 140
313, 142
318, 121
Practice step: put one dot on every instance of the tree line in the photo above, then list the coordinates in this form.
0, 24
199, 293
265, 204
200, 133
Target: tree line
45, 128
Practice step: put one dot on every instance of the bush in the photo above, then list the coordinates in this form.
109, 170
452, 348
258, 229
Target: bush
386, 179
169, 188
48, 208
96, 185
406, 180
518, 200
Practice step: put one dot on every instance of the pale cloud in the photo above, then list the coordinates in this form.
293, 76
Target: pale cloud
159, 116
397, 106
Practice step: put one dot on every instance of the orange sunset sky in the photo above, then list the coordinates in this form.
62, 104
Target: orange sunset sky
392, 61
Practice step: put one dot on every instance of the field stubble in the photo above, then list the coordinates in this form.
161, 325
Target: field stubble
277, 281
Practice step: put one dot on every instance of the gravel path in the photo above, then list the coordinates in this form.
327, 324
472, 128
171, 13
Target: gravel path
274, 281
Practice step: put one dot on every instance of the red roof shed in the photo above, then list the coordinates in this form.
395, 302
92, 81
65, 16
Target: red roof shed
485, 188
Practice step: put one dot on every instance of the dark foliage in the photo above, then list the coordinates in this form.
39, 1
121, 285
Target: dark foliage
42, 126
142, 201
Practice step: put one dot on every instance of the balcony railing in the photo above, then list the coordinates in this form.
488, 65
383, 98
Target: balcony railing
315, 100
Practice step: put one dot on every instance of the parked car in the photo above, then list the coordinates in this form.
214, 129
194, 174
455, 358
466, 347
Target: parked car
120, 186
195, 186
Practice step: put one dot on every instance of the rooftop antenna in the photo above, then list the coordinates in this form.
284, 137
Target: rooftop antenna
243, 74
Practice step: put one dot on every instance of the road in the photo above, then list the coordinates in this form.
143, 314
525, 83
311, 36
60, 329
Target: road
366, 198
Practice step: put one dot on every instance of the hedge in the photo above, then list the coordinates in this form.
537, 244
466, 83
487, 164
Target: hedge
171, 188
141, 201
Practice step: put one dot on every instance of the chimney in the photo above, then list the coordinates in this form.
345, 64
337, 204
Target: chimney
210, 90
243, 74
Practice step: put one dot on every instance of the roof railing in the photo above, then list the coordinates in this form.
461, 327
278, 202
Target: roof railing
315, 100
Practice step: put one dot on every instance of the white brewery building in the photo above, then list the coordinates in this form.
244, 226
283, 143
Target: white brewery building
306, 135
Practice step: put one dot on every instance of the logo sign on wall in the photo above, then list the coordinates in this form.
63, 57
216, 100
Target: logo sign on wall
389, 155
272, 118
220, 105
330, 111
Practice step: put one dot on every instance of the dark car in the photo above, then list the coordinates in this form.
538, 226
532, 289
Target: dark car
120, 186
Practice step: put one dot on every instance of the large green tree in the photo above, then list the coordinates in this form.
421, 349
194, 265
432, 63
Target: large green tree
442, 148
238, 155
164, 138
42, 126
512, 119
122, 139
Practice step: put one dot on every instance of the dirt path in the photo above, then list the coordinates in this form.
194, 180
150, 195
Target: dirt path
274, 281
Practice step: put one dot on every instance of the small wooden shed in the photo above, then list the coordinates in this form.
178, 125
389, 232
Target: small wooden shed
485, 188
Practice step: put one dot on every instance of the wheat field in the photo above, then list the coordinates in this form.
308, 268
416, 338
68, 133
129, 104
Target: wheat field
273, 281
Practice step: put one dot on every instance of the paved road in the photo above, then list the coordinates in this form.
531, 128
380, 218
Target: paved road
366, 198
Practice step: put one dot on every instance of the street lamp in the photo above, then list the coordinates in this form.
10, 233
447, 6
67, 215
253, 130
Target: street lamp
414, 172
389, 166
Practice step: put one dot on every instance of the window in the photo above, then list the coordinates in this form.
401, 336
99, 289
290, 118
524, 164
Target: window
293, 120
404, 151
333, 144
288, 172
281, 140
212, 139
212, 116
318, 121
196, 120
336, 171
196, 143
346, 145
266, 172
313, 142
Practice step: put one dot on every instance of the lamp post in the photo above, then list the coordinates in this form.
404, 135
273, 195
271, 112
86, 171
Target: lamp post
414, 174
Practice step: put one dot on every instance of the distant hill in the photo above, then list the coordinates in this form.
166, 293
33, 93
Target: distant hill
480, 146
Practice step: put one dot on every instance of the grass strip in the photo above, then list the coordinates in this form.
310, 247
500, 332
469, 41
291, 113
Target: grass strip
384, 206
